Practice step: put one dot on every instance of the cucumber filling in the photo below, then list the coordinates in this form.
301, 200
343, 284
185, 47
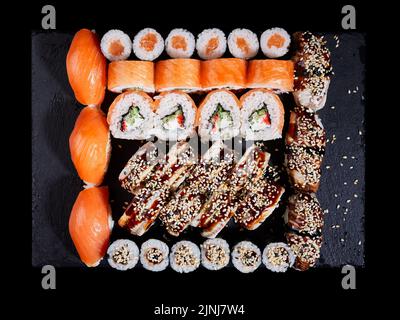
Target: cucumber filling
260, 119
132, 119
175, 120
221, 119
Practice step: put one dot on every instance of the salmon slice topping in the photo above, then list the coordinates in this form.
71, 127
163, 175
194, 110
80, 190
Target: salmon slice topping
116, 48
276, 40
179, 42
212, 45
148, 41
243, 45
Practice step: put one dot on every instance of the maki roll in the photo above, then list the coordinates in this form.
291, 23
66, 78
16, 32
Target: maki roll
304, 214
313, 70
178, 74
180, 43
278, 257
275, 42
275, 75
246, 257
262, 115
211, 44
148, 44
87, 68
123, 254
90, 224
139, 167
175, 114
215, 254
184, 257
218, 116
116, 45
228, 73
90, 145
305, 248
154, 255
131, 75
243, 43
259, 202
130, 116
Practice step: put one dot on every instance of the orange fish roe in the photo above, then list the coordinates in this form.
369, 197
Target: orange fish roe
179, 42
116, 48
243, 45
276, 40
212, 45
148, 41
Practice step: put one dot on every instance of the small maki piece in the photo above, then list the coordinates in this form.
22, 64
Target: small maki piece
154, 255
275, 42
215, 254
211, 44
305, 248
278, 257
148, 44
180, 43
123, 254
246, 257
243, 43
184, 257
116, 45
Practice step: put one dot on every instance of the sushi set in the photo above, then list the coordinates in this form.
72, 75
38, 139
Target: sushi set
178, 106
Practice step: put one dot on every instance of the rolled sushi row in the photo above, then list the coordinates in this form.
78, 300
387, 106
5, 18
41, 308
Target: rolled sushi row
185, 256
257, 115
148, 44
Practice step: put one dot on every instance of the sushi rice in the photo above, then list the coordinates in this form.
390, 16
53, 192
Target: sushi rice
215, 254
123, 254
148, 44
275, 42
211, 44
246, 257
278, 257
154, 255
184, 257
243, 43
180, 43
116, 45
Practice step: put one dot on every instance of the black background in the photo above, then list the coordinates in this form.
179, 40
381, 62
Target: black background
147, 289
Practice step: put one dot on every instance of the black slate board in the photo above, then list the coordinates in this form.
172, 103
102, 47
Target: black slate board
55, 183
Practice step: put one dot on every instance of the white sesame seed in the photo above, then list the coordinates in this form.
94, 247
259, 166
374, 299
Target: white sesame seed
349, 91
328, 167
360, 132
357, 88
345, 183
353, 157
335, 195
333, 107
341, 164
351, 168
359, 243
355, 195
348, 201
356, 181
362, 97
342, 240
348, 138
338, 206
344, 157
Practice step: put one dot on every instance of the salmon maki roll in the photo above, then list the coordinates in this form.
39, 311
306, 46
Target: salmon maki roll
130, 116
211, 44
276, 75
116, 45
180, 43
90, 225
90, 145
275, 42
175, 114
262, 115
243, 43
229, 73
218, 116
86, 68
148, 44
178, 74
131, 75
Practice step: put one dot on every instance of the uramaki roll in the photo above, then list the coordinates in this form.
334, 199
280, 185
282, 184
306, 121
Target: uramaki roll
178, 74
229, 73
262, 115
130, 116
124, 75
276, 75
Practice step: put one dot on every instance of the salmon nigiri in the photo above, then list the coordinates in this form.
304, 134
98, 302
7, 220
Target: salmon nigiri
86, 68
90, 145
90, 224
